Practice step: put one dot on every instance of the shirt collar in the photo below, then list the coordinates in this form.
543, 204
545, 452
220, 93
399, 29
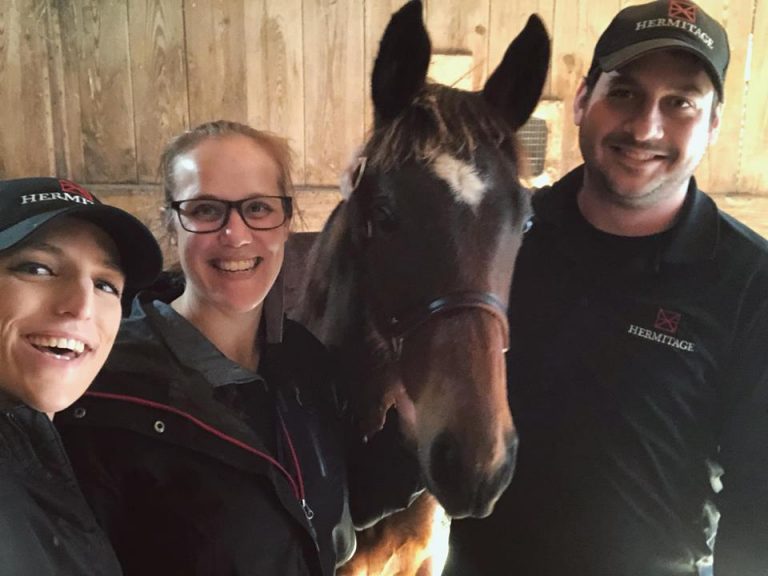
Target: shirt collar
694, 237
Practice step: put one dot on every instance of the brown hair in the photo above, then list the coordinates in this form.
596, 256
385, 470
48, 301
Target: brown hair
440, 120
276, 146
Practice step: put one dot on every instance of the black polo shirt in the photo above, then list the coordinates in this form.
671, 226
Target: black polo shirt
637, 367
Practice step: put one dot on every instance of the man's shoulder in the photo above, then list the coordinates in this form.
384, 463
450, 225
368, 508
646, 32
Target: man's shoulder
742, 236
553, 202
741, 248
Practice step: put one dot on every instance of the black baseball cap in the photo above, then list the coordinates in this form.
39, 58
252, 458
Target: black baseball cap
637, 30
28, 203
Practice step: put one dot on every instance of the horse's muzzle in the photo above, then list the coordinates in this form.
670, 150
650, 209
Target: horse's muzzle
461, 487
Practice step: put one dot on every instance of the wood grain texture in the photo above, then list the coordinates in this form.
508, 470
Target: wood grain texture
64, 67
26, 137
106, 99
712, 174
274, 53
158, 71
97, 86
508, 19
462, 26
215, 40
578, 24
753, 170
333, 72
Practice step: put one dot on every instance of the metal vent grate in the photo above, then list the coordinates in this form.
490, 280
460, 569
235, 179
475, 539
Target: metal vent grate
534, 136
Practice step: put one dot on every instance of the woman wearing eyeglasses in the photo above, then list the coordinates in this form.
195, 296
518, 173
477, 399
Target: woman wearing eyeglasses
212, 442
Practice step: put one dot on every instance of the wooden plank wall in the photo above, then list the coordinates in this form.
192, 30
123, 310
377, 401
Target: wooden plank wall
92, 89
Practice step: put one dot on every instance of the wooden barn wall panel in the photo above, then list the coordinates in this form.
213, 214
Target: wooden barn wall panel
461, 26
26, 140
98, 86
65, 92
753, 169
158, 70
507, 20
736, 17
274, 45
215, 40
577, 26
333, 72
106, 100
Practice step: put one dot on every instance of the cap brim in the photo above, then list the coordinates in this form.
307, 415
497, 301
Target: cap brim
140, 256
626, 55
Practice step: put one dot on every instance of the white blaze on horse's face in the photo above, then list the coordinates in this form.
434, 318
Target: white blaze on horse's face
462, 178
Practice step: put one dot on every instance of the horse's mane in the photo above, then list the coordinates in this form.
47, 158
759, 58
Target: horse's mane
440, 120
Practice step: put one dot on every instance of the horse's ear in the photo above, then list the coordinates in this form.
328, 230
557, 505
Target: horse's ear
515, 86
401, 65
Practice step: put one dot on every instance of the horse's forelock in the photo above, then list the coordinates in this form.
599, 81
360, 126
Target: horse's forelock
441, 120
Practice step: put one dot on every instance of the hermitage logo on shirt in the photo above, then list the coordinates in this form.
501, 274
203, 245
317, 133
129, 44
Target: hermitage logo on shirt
70, 192
667, 321
666, 325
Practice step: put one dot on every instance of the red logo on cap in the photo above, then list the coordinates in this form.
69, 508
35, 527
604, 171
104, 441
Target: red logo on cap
667, 321
682, 9
71, 187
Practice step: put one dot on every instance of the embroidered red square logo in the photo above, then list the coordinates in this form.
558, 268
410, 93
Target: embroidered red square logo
683, 10
667, 321
72, 188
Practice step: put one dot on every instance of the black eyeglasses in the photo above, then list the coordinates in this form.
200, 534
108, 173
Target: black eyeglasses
203, 215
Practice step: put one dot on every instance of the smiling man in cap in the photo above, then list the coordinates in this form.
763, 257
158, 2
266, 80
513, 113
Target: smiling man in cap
637, 372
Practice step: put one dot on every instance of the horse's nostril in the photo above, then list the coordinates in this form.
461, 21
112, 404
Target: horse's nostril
445, 459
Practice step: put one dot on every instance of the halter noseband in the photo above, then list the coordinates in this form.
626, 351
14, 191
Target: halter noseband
400, 327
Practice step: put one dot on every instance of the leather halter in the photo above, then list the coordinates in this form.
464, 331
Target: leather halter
399, 327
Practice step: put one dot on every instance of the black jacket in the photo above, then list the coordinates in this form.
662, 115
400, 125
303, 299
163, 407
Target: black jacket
186, 482
46, 527
637, 370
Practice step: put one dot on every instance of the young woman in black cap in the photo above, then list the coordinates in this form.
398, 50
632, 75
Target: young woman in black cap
64, 260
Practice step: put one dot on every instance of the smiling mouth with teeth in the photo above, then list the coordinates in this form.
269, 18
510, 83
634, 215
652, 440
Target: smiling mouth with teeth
237, 265
65, 348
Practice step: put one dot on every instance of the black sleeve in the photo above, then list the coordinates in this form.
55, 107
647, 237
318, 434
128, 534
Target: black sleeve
741, 545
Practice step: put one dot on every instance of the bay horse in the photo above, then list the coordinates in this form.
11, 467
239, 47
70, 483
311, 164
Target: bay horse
410, 276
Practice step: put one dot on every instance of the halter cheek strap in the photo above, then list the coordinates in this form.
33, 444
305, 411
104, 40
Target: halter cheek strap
400, 327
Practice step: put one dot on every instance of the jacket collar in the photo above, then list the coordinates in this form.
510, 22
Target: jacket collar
188, 343
693, 238
8, 402
152, 323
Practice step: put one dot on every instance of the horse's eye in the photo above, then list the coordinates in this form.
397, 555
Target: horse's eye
382, 215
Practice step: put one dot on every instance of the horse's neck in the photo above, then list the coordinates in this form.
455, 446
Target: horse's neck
329, 305
333, 307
